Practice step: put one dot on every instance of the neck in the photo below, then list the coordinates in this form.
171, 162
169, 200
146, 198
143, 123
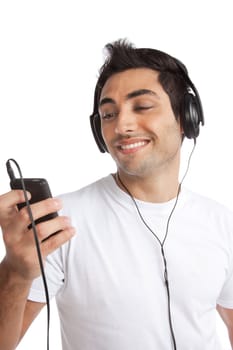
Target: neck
156, 189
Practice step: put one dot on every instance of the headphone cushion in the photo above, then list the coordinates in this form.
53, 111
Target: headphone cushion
190, 116
96, 130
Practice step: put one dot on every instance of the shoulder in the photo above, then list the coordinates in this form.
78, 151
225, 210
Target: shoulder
87, 196
208, 210
197, 199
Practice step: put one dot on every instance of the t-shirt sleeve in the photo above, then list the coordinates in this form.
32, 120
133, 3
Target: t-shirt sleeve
226, 296
54, 274
54, 264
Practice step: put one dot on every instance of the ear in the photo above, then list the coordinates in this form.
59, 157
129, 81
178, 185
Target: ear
180, 126
182, 134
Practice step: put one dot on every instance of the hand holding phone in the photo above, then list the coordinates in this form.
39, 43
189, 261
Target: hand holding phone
38, 188
21, 242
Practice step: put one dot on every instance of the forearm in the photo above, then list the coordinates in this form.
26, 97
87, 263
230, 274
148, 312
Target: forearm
13, 297
230, 333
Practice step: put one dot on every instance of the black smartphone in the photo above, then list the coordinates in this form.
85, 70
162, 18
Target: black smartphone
39, 189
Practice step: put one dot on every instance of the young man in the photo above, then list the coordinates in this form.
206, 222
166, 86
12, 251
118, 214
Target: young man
151, 261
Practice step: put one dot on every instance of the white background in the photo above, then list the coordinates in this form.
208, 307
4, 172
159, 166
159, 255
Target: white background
50, 53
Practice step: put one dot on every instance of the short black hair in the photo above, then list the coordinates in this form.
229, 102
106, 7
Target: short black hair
122, 55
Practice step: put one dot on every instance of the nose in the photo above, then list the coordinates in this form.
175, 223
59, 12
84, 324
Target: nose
125, 122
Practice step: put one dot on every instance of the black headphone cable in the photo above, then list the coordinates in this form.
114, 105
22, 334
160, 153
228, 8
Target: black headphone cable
37, 243
162, 243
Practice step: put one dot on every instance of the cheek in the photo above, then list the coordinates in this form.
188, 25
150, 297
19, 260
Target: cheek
173, 136
107, 133
168, 131
104, 131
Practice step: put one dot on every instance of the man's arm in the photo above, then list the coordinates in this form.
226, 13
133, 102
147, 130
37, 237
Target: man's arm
16, 313
227, 317
20, 266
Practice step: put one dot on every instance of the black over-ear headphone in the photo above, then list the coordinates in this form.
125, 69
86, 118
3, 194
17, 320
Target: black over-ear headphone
191, 112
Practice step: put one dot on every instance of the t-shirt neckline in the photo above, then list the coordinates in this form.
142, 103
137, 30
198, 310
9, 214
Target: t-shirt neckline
125, 199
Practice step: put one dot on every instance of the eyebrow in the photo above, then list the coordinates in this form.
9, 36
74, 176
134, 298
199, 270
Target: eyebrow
130, 95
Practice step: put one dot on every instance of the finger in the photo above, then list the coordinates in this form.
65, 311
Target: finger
39, 209
49, 227
16, 228
10, 199
55, 241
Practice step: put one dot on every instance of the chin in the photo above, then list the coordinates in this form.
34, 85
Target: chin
134, 171
134, 167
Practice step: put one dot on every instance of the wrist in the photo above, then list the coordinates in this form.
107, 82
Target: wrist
11, 279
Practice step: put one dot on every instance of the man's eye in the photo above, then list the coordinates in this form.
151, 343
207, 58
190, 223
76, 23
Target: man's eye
140, 108
108, 115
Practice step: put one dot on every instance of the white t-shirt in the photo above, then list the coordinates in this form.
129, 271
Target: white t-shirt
109, 279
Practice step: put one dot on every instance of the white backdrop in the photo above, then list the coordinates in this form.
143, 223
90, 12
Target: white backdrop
50, 53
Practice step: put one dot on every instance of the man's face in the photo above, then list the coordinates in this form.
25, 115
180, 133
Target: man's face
138, 124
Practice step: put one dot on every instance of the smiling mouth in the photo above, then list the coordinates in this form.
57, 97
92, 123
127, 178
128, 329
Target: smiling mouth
132, 146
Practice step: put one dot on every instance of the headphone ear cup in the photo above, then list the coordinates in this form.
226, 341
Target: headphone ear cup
190, 116
96, 130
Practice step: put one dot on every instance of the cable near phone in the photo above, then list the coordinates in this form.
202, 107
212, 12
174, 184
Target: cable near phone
21, 185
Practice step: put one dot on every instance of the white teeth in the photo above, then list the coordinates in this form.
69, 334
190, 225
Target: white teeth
133, 145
